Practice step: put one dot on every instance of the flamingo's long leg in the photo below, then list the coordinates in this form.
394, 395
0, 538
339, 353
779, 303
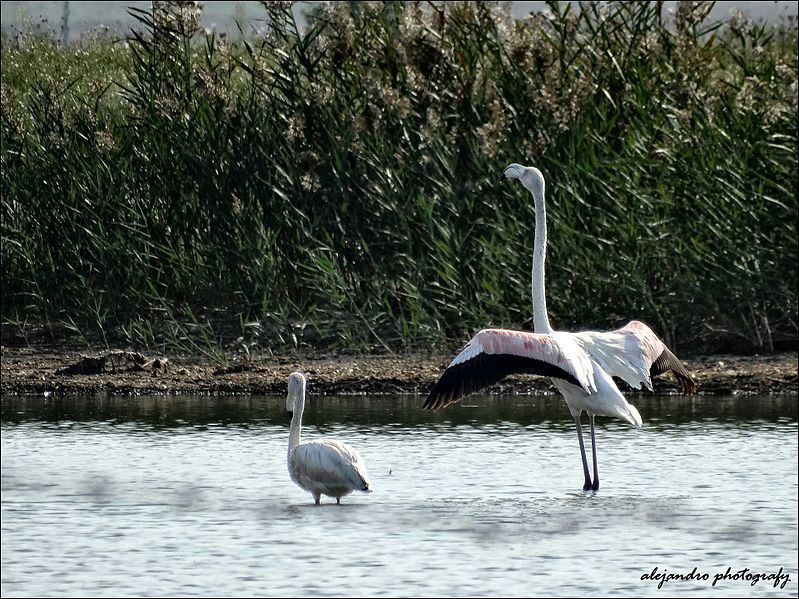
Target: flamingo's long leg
593, 451
587, 486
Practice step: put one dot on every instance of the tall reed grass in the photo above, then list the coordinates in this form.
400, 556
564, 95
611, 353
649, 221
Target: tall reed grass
338, 186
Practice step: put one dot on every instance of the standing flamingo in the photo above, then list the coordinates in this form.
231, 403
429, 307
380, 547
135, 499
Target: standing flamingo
581, 365
323, 467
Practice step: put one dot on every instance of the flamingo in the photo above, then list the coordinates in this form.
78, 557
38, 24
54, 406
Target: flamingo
324, 467
581, 365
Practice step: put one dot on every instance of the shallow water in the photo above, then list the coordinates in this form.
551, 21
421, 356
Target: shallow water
190, 496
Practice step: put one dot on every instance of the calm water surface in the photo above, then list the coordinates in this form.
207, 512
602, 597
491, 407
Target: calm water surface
186, 496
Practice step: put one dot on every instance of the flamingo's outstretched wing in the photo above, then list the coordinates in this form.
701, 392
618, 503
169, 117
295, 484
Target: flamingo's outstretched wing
493, 354
635, 354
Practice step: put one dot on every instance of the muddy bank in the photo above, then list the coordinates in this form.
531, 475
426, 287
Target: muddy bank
35, 371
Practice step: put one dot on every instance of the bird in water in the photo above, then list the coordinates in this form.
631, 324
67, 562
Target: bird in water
581, 365
321, 467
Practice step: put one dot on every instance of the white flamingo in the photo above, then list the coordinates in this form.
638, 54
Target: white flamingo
323, 467
581, 365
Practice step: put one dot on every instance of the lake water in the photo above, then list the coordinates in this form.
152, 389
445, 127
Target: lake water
191, 496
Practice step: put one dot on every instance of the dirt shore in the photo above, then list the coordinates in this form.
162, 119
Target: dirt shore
35, 371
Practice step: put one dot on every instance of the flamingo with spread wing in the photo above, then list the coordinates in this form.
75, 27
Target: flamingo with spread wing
581, 365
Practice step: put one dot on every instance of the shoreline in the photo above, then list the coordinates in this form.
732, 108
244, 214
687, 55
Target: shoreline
32, 371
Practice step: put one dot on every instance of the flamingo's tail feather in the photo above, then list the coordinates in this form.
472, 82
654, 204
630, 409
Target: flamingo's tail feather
633, 416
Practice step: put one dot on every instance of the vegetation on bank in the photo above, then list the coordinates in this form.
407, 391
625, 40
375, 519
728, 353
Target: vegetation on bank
338, 186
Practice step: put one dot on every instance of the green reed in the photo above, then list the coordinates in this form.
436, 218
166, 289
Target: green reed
338, 186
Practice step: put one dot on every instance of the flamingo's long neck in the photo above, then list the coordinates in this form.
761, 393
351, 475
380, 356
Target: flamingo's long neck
296, 420
540, 318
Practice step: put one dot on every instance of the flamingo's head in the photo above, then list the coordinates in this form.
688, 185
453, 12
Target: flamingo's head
530, 177
296, 391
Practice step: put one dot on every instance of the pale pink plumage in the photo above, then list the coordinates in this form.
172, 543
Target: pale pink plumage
635, 354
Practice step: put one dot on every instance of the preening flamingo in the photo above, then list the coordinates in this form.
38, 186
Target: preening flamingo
323, 467
581, 365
